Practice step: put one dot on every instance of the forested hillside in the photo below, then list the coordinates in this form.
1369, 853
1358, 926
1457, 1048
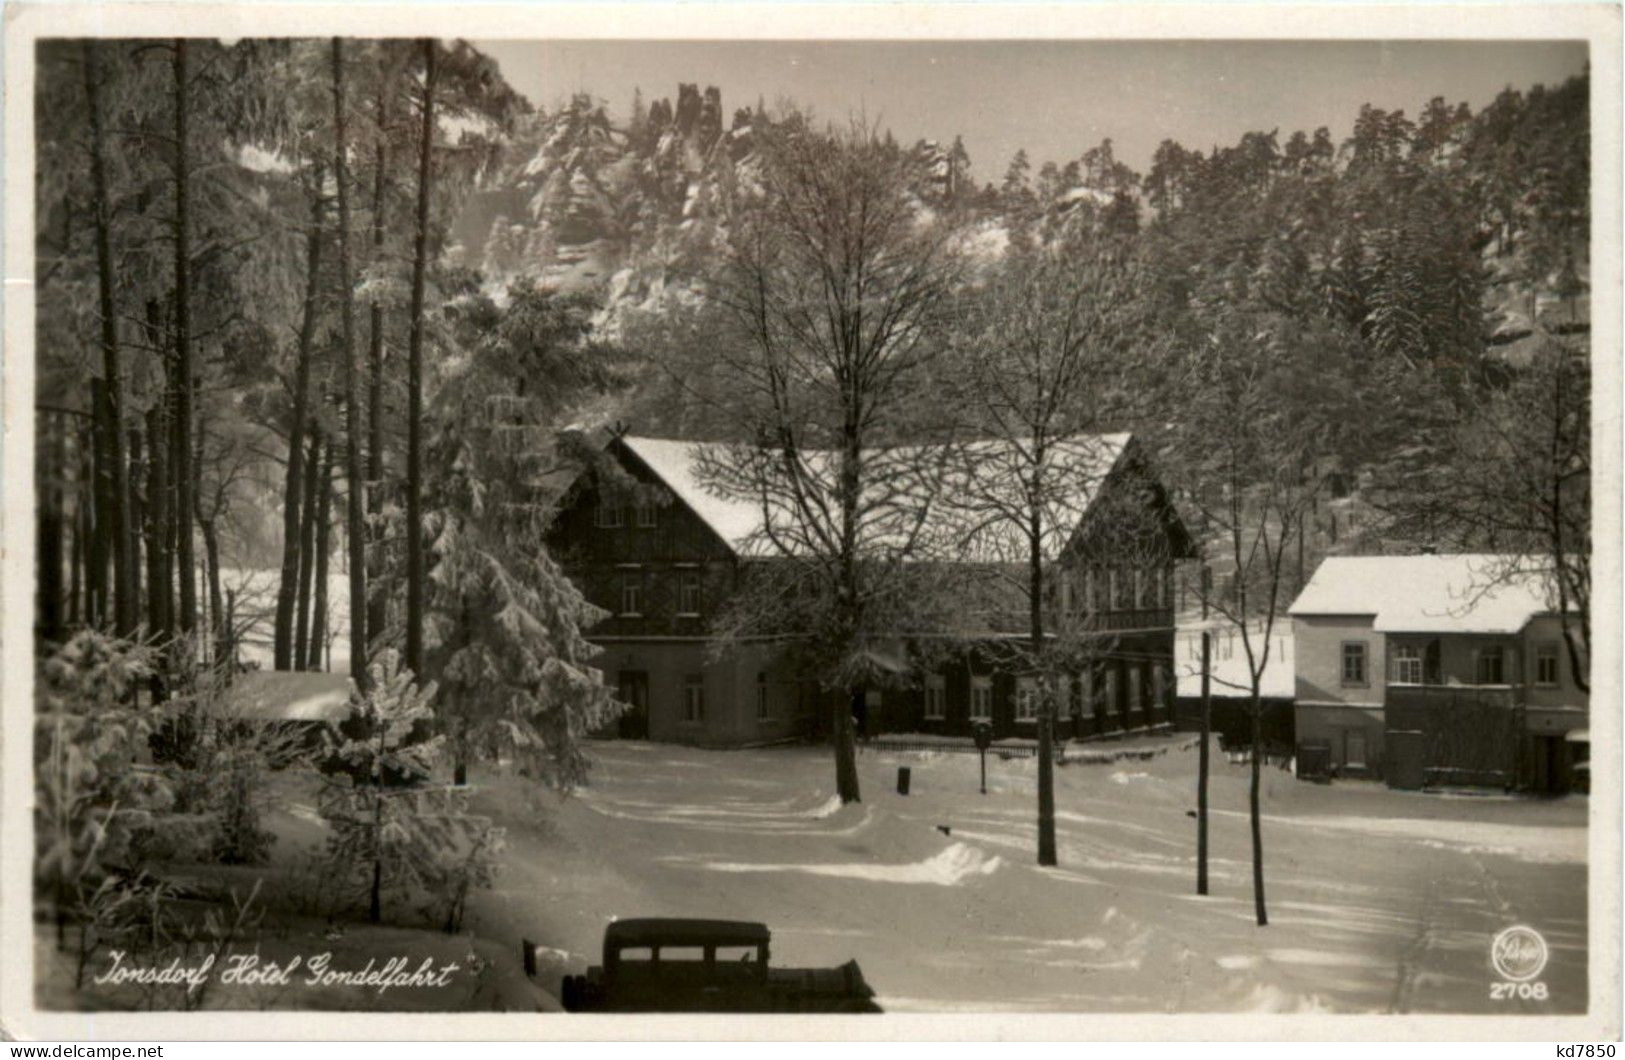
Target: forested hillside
1438, 231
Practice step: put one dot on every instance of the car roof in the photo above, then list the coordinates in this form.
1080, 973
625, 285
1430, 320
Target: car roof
678, 931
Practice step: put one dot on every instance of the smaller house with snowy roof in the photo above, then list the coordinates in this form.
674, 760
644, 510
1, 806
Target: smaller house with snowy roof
1435, 671
649, 538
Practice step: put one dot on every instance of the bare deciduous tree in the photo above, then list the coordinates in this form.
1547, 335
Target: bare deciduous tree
834, 285
1252, 450
1039, 373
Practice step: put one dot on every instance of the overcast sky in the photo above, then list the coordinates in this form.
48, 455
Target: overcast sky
1054, 98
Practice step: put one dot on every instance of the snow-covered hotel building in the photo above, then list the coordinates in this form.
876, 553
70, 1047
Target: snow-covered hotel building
1437, 670
650, 542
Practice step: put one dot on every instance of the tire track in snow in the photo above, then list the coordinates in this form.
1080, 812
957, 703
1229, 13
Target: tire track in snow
1411, 958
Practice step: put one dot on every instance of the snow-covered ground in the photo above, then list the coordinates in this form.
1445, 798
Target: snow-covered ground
1229, 667
1378, 900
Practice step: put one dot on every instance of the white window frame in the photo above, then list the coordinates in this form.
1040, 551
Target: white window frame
1408, 665
694, 700
632, 591
1027, 699
981, 698
687, 580
1482, 656
1545, 653
936, 697
1363, 653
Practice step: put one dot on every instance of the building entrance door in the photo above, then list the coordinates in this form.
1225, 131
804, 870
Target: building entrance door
1354, 749
633, 690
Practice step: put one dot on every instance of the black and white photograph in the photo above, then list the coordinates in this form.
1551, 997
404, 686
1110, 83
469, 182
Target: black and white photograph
566, 525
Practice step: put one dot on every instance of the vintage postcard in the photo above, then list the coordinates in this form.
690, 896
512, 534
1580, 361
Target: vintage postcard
811, 521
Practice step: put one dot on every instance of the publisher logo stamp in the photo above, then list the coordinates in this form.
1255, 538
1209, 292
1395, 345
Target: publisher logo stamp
1519, 953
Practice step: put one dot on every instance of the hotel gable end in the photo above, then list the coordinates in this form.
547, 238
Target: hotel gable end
663, 556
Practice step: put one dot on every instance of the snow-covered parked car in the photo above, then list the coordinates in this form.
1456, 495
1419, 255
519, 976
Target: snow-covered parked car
674, 965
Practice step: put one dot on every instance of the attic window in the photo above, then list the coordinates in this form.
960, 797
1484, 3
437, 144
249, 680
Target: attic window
609, 516
647, 517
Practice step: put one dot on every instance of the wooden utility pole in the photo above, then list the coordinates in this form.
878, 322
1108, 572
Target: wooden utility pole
1202, 759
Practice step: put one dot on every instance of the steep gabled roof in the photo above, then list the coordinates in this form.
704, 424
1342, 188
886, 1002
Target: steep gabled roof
1470, 593
676, 463
955, 510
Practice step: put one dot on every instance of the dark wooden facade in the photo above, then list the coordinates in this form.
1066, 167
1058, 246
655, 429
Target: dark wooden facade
663, 575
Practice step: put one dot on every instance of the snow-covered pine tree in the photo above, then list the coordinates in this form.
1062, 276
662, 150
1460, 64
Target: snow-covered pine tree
89, 799
505, 626
411, 839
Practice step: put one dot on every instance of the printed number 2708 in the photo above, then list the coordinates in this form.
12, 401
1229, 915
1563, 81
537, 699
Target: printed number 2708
1518, 991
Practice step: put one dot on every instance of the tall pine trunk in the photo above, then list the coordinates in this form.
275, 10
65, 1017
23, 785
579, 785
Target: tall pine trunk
95, 462
324, 549
217, 604
377, 603
159, 579
126, 610
414, 379
184, 560
355, 486
307, 550
136, 516
179, 521
49, 485
76, 564
293, 487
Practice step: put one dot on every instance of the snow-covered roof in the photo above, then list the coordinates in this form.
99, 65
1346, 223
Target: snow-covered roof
677, 463
1471, 593
1082, 464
